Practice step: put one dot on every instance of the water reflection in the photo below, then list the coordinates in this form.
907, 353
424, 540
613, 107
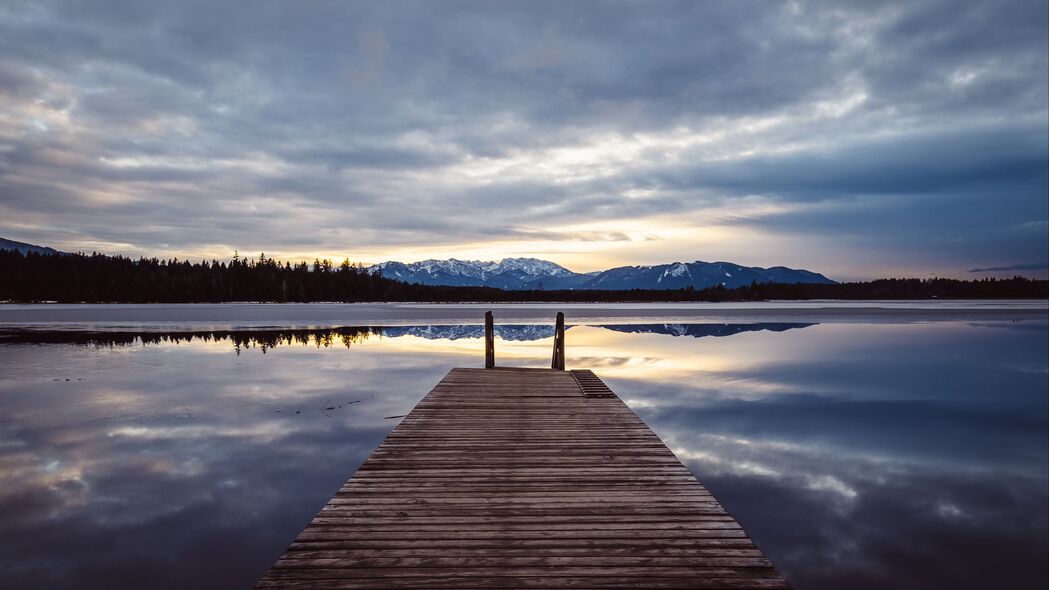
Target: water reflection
874, 456
704, 330
264, 339
856, 455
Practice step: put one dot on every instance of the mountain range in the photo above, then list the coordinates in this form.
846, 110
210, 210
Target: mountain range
25, 248
536, 274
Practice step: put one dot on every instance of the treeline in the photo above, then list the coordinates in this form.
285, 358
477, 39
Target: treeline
97, 278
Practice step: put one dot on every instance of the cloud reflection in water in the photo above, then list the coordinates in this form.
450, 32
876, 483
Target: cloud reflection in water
856, 455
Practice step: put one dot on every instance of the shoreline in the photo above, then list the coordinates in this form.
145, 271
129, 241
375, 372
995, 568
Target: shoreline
232, 316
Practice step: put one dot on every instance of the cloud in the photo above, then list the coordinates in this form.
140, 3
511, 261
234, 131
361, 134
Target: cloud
334, 128
1028, 266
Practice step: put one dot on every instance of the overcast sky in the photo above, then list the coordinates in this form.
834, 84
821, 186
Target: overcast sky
858, 139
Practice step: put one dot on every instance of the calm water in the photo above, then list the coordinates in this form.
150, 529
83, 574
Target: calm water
862, 455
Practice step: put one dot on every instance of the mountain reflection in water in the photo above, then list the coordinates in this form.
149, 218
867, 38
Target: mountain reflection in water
265, 339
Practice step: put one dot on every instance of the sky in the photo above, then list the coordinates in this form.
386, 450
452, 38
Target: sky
858, 139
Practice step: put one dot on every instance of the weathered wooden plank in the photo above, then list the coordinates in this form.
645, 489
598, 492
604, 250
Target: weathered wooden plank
293, 560
322, 572
525, 478
536, 512
524, 552
329, 533
601, 546
698, 582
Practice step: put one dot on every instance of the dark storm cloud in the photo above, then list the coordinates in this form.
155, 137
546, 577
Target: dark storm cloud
956, 161
333, 127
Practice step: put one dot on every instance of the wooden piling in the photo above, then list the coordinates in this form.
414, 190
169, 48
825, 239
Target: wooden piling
489, 340
558, 360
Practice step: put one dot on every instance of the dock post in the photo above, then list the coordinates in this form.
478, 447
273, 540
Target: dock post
558, 361
489, 341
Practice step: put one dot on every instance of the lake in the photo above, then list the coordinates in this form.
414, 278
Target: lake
862, 445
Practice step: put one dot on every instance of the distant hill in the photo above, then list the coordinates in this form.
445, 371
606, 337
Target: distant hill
24, 248
509, 273
699, 275
535, 274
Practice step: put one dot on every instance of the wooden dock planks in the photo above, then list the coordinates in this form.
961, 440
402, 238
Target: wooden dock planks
513, 478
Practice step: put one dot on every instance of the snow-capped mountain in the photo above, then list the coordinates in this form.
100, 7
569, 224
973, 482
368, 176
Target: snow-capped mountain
532, 273
509, 273
699, 275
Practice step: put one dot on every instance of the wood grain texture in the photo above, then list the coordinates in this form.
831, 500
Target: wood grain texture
522, 478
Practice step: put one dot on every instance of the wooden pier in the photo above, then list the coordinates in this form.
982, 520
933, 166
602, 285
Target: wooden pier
522, 478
